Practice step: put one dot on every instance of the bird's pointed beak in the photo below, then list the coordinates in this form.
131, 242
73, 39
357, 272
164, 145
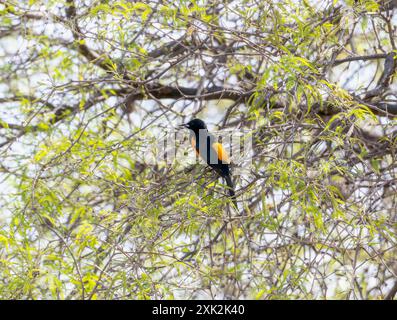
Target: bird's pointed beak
183, 126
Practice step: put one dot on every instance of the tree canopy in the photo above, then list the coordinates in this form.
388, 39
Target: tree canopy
88, 89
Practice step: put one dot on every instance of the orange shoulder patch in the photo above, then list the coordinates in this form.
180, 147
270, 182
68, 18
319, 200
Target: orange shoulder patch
193, 142
221, 152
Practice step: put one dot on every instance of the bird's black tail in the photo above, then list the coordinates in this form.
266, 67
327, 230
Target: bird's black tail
230, 185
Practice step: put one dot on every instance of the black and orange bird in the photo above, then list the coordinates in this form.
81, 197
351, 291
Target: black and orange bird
212, 152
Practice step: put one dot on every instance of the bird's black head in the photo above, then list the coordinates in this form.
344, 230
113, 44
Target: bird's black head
195, 125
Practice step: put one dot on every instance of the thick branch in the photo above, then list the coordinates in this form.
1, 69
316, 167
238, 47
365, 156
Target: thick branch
169, 92
360, 58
